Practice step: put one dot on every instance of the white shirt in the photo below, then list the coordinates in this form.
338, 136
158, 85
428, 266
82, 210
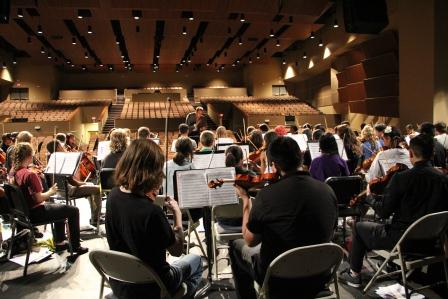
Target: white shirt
172, 167
443, 140
386, 159
173, 145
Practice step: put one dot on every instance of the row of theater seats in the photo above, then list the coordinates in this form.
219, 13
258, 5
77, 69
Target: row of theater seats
278, 107
47, 115
145, 110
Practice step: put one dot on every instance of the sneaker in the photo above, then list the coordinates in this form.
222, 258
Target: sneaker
81, 250
346, 278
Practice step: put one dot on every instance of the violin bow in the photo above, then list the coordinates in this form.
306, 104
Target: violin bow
54, 152
166, 144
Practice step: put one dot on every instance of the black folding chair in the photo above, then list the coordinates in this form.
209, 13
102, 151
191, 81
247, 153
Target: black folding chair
20, 215
345, 188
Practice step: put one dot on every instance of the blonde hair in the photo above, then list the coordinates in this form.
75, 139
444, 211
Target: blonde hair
367, 133
207, 138
221, 132
22, 150
118, 141
24, 136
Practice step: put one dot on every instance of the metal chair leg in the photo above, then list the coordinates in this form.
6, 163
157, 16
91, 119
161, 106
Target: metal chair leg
28, 252
69, 237
215, 259
336, 286
403, 274
102, 287
13, 234
378, 272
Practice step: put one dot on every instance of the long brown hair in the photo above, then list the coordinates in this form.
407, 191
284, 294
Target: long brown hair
140, 169
21, 151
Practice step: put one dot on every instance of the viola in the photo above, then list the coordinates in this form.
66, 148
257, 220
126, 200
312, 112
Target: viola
378, 185
250, 183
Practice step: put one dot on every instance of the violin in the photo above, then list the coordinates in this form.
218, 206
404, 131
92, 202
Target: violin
255, 156
252, 184
377, 185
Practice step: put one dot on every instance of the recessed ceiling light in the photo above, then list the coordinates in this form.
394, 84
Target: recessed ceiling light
304, 55
321, 44
39, 29
89, 29
4, 65
335, 24
73, 41
42, 50
184, 30
277, 44
242, 18
20, 13
137, 14
240, 41
14, 61
86, 55
258, 55
283, 61
271, 34
312, 34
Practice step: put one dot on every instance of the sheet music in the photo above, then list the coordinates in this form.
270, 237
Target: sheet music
103, 150
341, 149
66, 163
225, 194
225, 140
301, 140
203, 160
192, 189
244, 148
315, 149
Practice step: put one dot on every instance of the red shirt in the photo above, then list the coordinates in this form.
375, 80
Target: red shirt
28, 180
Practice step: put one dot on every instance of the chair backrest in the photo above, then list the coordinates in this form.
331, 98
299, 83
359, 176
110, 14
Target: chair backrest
345, 187
428, 227
124, 267
107, 178
18, 204
229, 211
302, 262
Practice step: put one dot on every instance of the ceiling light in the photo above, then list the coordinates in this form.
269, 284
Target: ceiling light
101, 65
321, 44
242, 18
304, 55
258, 55
240, 41
20, 13
29, 39
39, 29
312, 34
335, 24
181, 64
4, 65
153, 70
271, 34
84, 67
184, 30
233, 64
191, 18
207, 64
277, 44
73, 41
237, 61
89, 29
42, 50
14, 61
250, 60
49, 55
117, 42
158, 56
79, 15
177, 70
283, 61
122, 56
137, 14
189, 59
69, 62
86, 55
84, 13
110, 67
72, 65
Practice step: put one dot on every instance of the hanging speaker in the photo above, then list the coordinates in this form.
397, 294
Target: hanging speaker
365, 16
5, 8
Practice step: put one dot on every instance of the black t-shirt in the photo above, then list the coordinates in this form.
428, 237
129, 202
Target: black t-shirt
137, 226
111, 160
295, 211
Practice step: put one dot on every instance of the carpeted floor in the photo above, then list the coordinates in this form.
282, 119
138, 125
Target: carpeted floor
55, 278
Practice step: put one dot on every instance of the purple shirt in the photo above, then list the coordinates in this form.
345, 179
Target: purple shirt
326, 166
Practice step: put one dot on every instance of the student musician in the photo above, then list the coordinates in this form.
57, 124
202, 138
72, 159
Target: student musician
30, 184
137, 226
221, 136
439, 159
145, 133
6, 142
352, 146
369, 144
267, 139
256, 140
183, 132
77, 188
70, 143
118, 144
23, 136
441, 135
395, 153
207, 142
278, 219
410, 195
379, 132
329, 163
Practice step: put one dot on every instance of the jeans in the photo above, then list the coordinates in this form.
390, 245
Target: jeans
188, 270
51, 211
369, 236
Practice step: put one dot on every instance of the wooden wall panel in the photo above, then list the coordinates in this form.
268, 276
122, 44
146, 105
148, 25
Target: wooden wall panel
383, 106
382, 86
381, 65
